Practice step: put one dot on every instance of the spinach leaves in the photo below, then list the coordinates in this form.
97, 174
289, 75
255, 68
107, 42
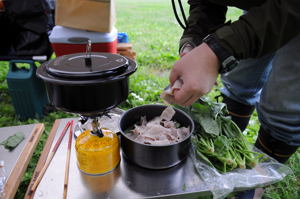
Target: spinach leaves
218, 140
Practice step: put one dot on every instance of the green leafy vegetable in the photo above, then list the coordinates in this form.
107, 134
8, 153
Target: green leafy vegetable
13, 141
184, 187
218, 140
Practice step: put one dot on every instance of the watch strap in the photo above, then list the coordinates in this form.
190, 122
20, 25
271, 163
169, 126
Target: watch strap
227, 61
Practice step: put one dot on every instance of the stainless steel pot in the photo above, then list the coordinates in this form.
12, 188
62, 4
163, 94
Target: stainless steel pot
166, 180
149, 156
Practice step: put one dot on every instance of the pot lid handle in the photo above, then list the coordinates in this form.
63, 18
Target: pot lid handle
88, 59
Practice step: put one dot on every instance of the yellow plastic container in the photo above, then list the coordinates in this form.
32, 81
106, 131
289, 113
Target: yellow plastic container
97, 155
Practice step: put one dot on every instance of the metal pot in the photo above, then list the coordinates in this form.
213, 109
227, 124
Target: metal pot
87, 84
145, 181
149, 156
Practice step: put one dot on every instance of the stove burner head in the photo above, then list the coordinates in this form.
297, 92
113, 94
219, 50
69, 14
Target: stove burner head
108, 119
96, 115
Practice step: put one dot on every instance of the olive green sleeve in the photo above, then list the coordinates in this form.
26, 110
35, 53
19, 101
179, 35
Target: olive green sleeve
203, 18
262, 30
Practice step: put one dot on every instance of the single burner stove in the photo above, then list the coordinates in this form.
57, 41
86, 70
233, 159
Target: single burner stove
108, 119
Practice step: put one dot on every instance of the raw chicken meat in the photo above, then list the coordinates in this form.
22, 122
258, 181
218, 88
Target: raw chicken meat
160, 130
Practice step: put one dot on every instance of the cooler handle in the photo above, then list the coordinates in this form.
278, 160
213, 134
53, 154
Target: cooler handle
78, 40
13, 67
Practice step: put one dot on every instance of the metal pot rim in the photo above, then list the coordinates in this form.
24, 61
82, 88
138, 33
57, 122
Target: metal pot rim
192, 128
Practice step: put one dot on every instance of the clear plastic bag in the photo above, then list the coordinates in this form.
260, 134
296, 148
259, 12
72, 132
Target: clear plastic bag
2, 178
265, 173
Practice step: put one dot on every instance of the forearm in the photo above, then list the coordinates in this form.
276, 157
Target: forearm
204, 17
262, 30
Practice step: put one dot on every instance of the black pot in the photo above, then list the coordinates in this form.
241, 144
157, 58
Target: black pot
88, 85
149, 156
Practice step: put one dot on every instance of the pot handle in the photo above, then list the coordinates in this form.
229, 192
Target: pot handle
88, 59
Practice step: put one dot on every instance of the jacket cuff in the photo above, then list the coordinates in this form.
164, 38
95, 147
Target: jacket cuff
186, 40
229, 40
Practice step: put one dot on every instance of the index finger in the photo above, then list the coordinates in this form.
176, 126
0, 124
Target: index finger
174, 75
182, 95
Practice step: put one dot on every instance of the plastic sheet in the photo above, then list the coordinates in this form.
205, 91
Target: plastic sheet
267, 172
2, 178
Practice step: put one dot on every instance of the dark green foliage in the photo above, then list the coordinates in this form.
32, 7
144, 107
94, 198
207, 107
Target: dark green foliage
218, 140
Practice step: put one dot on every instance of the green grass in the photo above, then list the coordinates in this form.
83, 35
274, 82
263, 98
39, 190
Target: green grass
154, 33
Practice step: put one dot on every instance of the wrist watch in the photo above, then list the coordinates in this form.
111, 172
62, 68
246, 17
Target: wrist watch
227, 60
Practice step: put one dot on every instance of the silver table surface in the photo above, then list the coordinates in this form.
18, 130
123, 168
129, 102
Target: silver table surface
11, 157
126, 181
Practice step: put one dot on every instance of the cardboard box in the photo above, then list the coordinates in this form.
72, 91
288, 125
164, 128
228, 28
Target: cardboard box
93, 15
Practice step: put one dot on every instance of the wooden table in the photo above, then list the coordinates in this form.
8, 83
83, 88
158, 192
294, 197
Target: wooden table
16, 161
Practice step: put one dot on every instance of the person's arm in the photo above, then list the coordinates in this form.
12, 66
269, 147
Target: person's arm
263, 30
203, 18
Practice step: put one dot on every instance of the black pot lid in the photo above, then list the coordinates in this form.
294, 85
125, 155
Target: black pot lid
81, 66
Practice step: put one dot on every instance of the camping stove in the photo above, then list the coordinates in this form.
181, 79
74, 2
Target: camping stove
97, 145
107, 120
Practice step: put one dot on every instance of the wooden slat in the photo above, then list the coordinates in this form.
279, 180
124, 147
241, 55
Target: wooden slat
124, 46
14, 179
43, 157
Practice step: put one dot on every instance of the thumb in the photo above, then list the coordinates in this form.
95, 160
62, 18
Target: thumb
174, 75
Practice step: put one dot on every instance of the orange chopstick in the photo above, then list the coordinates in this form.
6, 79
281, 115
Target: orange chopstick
40, 176
68, 161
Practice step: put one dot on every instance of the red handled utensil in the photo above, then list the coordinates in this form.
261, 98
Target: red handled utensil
68, 161
40, 176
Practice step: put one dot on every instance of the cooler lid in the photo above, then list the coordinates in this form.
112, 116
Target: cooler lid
66, 35
83, 66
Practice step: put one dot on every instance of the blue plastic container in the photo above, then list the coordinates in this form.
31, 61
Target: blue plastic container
28, 93
122, 37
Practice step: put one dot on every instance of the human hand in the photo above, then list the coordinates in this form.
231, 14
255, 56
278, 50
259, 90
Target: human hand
198, 70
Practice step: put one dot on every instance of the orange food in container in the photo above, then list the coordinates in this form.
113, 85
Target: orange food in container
96, 154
